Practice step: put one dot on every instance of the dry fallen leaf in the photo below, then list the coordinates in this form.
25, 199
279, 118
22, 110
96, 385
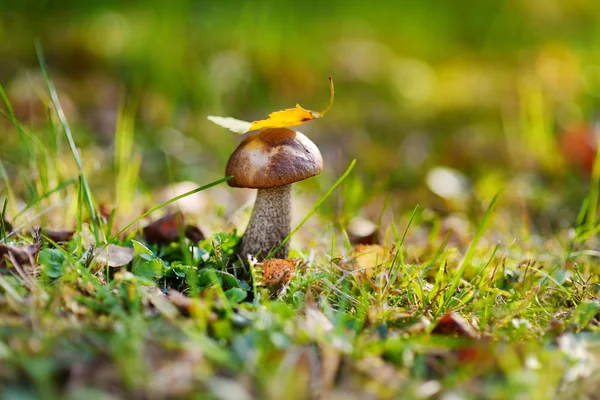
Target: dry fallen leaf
181, 301
285, 118
58, 236
454, 324
276, 271
23, 255
316, 324
165, 230
381, 370
278, 119
479, 353
105, 211
194, 233
160, 301
579, 146
115, 256
369, 257
69, 297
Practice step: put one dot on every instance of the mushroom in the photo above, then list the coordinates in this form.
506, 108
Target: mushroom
270, 161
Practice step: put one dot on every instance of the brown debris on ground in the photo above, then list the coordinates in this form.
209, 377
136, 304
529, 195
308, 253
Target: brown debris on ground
58, 236
25, 254
170, 228
454, 324
277, 271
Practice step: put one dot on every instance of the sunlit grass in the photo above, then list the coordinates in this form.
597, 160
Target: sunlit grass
470, 313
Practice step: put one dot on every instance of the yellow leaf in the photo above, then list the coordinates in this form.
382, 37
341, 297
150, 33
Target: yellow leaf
370, 258
285, 118
234, 125
278, 119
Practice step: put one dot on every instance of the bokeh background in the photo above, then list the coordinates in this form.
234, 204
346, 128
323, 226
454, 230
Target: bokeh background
443, 103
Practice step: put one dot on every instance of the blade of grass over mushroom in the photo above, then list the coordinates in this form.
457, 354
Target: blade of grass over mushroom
163, 204
315, 208
67, 129
469, 255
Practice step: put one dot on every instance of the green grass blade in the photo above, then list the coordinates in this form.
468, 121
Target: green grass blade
399, 260
35, 217
15, 121
2, 219
410, 221
315, 208
127, 163
80, 196
594, 192
174, 199
471, 250
67, 129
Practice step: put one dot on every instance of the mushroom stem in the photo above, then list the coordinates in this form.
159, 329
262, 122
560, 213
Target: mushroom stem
269, 224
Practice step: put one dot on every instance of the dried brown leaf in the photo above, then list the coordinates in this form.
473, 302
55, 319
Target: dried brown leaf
58, 236
160, 301
181, 301
194, 233
165, 230
277, 271
381, 371
454, 324
115, 256
22, 254
316, 323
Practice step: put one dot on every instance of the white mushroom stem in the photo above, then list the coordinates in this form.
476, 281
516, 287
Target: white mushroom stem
269, 224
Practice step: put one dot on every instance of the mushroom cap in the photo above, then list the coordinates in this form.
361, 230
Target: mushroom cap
273, 157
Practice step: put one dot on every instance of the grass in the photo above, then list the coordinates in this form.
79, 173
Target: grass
428, 314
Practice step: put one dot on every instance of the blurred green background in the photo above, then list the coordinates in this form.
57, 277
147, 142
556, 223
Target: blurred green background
443, 103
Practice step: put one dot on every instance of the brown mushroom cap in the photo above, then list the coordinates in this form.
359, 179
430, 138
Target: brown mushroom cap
273, 157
